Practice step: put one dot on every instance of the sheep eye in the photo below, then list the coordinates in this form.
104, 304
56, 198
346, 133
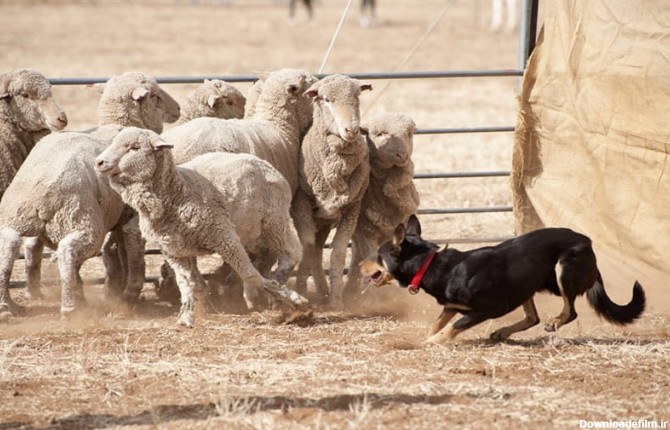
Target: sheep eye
326, 99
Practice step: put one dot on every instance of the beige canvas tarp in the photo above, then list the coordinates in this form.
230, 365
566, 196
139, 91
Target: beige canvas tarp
593, 134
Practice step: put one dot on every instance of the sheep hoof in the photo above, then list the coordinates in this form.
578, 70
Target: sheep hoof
284, 294
186, 320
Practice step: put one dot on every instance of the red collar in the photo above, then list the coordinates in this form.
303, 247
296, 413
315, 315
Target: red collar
416, 280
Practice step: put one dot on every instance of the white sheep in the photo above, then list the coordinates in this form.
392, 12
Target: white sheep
214, 98
391, 196
132, 98
272, 131
28, 112
186, 211
129, 99
334, 173
57, 198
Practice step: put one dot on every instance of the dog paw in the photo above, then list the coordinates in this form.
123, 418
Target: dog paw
499, 335
432, 340
551, 326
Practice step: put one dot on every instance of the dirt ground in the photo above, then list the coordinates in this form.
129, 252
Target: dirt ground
361, 369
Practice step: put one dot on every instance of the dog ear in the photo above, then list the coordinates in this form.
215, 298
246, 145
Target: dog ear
398, 235
413, 226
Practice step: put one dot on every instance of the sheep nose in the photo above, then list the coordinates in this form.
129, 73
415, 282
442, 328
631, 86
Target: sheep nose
62, 119
402, 156
99, 164
353, 130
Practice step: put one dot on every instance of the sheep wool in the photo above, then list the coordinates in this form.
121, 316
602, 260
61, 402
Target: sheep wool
58, 198
391, 196
334, 172
184, 212
214, 98
28, 112
281, 114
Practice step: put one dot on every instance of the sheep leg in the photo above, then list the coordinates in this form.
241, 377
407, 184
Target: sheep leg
301, 212
73, 250
352, 288
233, 253
32, 249
282, 242
10, 242
192, 292
113, 262
133, 257
338, 255
318, 273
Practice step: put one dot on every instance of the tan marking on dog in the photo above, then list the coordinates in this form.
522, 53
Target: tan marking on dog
554, 323
442, 320
530, 319
447, 334
370, 267
458, 307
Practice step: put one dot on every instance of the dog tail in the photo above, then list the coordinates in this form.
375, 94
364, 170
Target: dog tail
613, 312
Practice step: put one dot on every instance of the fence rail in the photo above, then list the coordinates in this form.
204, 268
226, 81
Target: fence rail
371, 75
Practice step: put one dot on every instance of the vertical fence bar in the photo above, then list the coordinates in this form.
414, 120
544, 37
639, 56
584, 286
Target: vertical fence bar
527, 30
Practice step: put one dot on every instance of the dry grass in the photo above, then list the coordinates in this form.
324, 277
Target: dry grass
361, 369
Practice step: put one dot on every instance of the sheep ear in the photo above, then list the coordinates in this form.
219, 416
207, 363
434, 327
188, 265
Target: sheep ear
212, 99
99, 87
139, 92
413, 226
4, 87
313, 91
263, 75
398, 235
157, 143
366, 87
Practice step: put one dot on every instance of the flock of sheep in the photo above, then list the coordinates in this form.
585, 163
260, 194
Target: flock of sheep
260, 180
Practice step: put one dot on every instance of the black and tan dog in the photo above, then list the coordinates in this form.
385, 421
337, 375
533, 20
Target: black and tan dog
492, 281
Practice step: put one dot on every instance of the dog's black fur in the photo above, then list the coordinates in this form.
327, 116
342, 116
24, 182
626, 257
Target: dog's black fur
490, 282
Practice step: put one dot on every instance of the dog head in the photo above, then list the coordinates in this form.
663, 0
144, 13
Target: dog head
399, 258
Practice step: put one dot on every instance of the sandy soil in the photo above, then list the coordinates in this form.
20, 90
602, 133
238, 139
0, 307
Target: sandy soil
365, 368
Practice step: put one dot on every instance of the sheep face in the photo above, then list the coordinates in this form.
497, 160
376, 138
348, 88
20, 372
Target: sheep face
390, 138
217, 99
136, 98
337, 97
30, 101
131, 157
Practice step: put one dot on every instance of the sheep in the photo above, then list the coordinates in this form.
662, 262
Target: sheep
132, 98
334, 172
186, 211
28, 112
57, 198
129, 99
214, 98
391, 196
279, 119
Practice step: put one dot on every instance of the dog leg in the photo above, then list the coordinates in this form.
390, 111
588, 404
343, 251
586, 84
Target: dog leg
442, 320
567, 314
445, 335
451, 330
527, 322
566, 284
